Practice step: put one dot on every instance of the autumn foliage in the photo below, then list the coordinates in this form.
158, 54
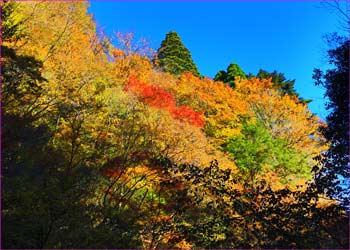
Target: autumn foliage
103, 149
158, 97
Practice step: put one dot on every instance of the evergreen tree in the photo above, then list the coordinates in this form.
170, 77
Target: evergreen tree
174, 57
280, 81
284, 85
228, 76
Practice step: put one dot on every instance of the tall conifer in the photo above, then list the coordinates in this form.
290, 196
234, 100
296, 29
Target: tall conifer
174, 57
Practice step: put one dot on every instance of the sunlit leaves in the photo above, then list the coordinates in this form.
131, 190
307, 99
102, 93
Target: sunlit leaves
125, 155
229, 76
220, 104
256, 151
284, 116
158, 97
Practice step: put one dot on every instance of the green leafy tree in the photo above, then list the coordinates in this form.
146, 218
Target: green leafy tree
255, 150
174, 57
228, 76
336, 82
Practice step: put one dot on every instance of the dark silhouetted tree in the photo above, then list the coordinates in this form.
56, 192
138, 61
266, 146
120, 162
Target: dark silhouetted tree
335, 167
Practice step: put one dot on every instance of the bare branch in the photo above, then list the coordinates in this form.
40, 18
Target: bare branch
342, 9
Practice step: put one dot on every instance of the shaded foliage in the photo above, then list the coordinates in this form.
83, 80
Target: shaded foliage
43, 204
101, 149
335, 167
220, 215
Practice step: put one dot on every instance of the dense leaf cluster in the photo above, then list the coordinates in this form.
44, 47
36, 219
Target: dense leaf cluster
228, 76
222, 216
174, 57
100, 149
334, 173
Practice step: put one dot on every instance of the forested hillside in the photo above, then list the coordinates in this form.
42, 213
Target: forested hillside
106, 144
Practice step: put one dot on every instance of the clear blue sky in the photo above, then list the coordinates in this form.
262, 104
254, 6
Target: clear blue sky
282, 36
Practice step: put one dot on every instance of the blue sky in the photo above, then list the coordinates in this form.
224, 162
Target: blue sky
282, 36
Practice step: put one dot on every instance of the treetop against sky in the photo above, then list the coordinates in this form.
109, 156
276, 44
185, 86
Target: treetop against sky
282, 36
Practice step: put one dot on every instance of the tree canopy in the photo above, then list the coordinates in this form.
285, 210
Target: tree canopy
336, 83
101, 149
228, 76
174, 57
286, 87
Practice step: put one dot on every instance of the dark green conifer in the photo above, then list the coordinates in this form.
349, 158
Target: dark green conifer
174, 57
